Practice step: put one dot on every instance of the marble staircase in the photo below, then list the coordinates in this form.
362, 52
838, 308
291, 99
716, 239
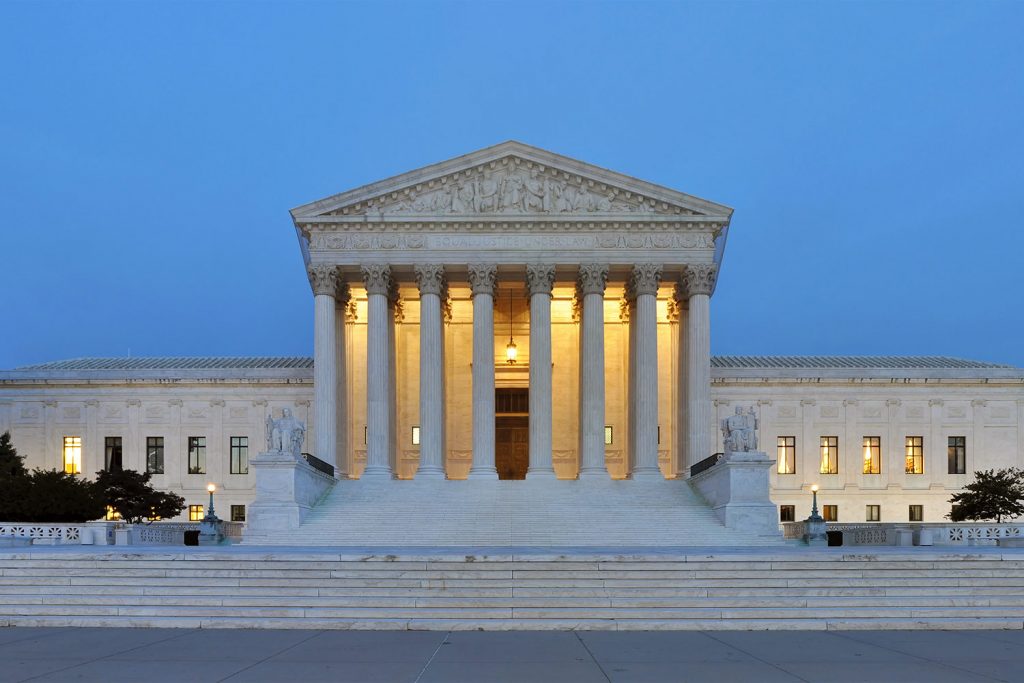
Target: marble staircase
513, 513
784, 588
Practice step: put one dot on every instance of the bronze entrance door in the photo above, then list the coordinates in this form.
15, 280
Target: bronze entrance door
512, 433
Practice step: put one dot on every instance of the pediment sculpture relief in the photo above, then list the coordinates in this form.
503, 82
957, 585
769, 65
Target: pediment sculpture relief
511, 186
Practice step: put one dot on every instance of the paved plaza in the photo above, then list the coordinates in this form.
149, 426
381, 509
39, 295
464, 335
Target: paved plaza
155, 655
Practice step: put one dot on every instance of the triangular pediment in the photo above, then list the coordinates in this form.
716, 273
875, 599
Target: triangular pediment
510, 180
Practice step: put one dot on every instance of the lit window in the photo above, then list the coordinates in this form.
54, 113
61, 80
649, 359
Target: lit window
197, 455
112, 454
829, 455
874, 513
786, 451
239, 455
915, 455
957, 455
155, 454
237, 513
112, 514
607, 435
917, 513
830, 513
73, 454
787, 513
195, 513
416, 435
872, 454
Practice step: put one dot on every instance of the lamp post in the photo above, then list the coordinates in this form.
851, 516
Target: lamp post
209, 528
814, 526
210, 515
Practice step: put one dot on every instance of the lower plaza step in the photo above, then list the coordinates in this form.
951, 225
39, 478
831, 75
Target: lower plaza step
570, 513
482, 589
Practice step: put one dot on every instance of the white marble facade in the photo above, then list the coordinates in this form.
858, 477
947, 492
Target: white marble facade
603, 281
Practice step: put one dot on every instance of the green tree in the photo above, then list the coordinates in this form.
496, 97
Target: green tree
131, 495
994, 494
53, 496
11, 464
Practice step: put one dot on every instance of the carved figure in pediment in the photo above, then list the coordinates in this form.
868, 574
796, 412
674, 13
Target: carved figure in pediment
442, 201
512, 193
552, 191
568, 199
535, 191
464, 198
487, 194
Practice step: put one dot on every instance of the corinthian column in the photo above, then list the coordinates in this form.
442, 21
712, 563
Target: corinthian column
698, 281
324, 281
377, 279
591, 283
540, 279
341, 300
643, 285
680, 313
482, 279
430, 279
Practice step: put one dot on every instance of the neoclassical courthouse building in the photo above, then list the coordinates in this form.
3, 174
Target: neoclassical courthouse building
510, 314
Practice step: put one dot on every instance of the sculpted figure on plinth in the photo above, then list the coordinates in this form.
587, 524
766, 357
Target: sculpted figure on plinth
740, 431
286, 434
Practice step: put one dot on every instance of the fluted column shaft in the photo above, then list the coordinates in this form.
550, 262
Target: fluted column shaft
431, 283
681, 330
482, 279
644, 284
592, 281
378, 418
324, 279
698, 281
341, 463
540, 280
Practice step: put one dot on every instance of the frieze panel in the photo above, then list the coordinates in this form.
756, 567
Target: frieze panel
510, 186
613, 240
71, 413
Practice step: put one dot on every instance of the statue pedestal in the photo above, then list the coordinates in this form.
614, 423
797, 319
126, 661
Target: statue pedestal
287, 488
737, 488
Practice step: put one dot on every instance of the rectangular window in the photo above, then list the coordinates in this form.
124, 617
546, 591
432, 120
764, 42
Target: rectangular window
239, 455
872, 454
73, 454
195, 513
607, 435
415, 435
830, 455
786, 452
915, 455
155, 454
112, 456
957, 455
830, 513
917, 513
787, 513
197, 455
874, 513
237, 513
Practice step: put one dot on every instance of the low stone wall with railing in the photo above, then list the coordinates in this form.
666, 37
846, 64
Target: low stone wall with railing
109, 533
919, 533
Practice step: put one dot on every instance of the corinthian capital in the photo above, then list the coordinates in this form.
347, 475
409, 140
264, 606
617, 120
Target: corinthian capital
377, 278
699, 279
482, 278
593, 278
430, 279
644, 279
540, 278
342, 294
323, 279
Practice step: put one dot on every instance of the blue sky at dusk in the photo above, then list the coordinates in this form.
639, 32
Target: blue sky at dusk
872, 151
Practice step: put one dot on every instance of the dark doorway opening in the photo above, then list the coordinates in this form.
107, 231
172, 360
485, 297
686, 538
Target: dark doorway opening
512, 433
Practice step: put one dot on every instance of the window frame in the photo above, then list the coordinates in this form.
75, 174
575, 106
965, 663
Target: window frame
196, 513
956, 454
873, 446
919, 509
197, 455
828, 447
873, 513
913, 449
787, 511
112, 444
71, 454
785, 453
234, 516
238, 455
155, 454
830, 513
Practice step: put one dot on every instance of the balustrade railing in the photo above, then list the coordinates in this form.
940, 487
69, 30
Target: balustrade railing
919, 533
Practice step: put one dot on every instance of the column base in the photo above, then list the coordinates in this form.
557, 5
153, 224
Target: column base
648, 474
541, 473
429, 473
377, 472
594, 473
482, 473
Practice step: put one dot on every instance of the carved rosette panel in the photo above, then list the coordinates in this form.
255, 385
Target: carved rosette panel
540, 278
592, 278
377, 278
482, 278
645, 279
700, 279
511, 186
430, 279
323, 279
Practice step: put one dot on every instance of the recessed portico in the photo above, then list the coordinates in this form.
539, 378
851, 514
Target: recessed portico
433, 273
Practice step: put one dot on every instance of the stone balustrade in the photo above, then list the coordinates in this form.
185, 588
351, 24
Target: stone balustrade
919, 533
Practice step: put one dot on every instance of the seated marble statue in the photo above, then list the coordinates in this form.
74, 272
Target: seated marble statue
740, 431
285, 435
